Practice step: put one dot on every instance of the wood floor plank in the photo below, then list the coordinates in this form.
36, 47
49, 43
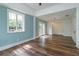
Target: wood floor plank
55, 45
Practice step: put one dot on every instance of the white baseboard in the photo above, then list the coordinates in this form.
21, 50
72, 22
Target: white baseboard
17, 43
77, 44
77, 47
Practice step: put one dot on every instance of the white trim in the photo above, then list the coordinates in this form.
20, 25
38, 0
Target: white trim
77, 46
34, 25
17, 13
17, 43
7, 21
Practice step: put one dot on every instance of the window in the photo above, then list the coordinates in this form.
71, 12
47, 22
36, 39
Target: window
41, 28
15, 22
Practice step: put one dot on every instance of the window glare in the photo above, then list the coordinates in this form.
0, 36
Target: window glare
41, 28
12, 15
20, 17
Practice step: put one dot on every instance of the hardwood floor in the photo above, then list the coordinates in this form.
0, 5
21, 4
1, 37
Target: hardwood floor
55, 45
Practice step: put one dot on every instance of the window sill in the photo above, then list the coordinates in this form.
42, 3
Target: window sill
15, 31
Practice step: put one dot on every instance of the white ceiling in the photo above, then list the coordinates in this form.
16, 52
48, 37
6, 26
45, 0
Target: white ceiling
36, 6
49, 10
19, 7
59, 15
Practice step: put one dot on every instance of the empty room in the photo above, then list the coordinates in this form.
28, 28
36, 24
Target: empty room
39, 29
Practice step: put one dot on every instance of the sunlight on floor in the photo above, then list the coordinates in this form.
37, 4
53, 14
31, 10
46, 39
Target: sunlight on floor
27, 46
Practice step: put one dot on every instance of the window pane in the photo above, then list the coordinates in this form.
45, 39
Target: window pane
20, 23
15, 22
12, 21
41, 28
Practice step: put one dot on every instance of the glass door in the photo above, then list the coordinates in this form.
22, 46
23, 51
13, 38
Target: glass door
41, 28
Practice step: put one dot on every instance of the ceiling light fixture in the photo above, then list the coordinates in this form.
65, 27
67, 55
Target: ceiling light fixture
40, 4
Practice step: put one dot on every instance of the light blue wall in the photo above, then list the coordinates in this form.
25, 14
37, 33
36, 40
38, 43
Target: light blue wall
37, 25
9, 38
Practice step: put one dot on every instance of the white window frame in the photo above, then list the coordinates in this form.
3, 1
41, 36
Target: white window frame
17, 13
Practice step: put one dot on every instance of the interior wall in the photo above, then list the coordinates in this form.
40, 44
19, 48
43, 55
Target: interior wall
67, 31
12, 38
63, 27
58, 27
